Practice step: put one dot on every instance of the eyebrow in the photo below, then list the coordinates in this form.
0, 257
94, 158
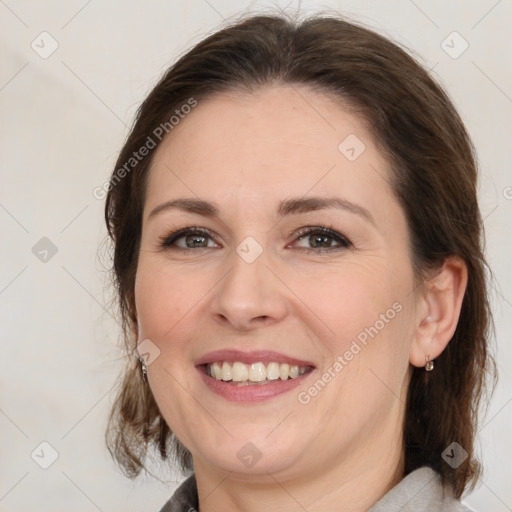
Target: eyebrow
291, 206
308, 204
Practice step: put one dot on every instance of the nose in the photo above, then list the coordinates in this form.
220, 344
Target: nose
249, 296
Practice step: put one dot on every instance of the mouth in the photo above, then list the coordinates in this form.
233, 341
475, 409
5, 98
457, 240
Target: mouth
251, 376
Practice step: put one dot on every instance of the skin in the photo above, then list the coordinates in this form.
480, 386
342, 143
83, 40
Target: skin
246, 153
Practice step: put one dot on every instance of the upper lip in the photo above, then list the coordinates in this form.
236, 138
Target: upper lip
264, 356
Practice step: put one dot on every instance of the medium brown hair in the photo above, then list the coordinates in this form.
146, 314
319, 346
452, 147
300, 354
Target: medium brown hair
434, 176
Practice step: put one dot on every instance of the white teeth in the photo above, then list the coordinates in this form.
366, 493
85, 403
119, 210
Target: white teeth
216, 371
226, 371
255, 372
240, 372
273, 371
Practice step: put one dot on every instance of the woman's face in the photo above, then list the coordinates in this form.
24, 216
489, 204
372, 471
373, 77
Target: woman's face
255, 178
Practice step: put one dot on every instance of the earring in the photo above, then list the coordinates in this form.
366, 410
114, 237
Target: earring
143, 369
429, 365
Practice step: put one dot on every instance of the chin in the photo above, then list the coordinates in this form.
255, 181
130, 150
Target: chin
252, 455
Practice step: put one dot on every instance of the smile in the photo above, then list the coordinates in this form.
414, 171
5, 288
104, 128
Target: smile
252, 376
257, 373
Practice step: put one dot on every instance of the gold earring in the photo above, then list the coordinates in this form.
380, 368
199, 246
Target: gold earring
429, 365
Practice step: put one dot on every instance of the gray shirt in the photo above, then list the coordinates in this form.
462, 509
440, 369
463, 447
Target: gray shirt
420, 491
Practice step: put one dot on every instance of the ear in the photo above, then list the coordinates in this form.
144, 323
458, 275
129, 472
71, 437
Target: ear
438, 310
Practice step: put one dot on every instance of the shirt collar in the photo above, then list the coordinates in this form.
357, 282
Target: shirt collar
419, 491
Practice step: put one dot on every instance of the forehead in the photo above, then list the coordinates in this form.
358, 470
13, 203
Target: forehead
277, 140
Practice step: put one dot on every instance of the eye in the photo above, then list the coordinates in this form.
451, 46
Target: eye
310, 238
320, 239
189, 238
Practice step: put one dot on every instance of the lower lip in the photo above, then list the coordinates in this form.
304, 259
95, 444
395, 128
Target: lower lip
251, 393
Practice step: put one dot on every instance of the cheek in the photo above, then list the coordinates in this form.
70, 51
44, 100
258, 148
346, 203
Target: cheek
348, 298
364, 307
166, 303
163, 300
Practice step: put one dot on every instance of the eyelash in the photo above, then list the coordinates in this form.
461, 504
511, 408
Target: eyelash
166, 242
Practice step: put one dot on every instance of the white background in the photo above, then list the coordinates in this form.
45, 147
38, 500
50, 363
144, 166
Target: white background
63, 121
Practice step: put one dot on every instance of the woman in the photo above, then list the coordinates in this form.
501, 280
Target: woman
299, 265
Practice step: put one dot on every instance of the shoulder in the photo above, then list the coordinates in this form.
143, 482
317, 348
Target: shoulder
184, 499
420, 491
